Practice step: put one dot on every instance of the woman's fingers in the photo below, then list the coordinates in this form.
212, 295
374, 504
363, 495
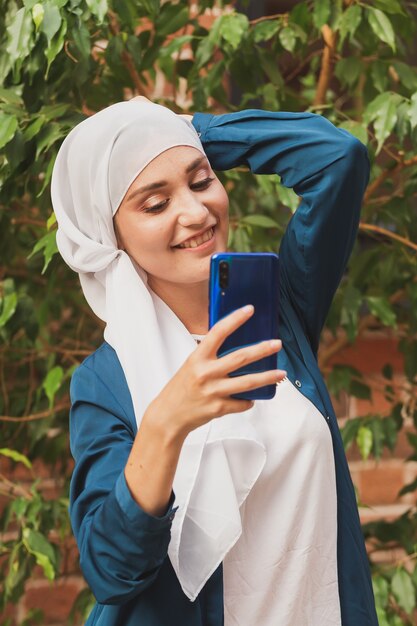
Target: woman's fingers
223, 328
248, 382
243, 356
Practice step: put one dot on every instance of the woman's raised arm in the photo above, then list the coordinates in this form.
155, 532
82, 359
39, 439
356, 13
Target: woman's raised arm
327, 167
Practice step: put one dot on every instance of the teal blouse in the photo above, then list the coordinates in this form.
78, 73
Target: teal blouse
123, 549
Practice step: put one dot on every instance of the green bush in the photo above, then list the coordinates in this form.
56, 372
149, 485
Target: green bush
61, 60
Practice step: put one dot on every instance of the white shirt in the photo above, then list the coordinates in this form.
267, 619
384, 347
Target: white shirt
283, 569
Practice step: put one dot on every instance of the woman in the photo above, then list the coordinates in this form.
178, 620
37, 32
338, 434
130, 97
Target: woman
265, 529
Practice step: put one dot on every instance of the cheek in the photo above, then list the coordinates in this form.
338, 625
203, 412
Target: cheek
220, 199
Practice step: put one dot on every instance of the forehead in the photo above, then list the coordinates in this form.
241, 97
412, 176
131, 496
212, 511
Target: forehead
174, 160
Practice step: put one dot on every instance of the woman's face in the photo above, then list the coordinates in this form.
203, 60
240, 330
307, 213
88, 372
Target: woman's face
160, 220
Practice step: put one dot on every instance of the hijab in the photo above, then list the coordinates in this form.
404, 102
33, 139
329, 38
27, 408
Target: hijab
219, 461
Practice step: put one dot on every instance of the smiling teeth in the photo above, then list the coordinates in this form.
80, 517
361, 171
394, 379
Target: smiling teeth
197, 241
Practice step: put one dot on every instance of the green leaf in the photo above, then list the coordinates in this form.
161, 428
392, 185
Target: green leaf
356, 129
410, 359
389, 6
412, 111
262, 31
360, 390
383, 112
382, 309
377, 428
204, 51
352, 299
301, 15
47, 176
151, 6
19, 35
349, 21
82, 40
348, 70
287, 38
10, 97
270, 67
37, 14
408, 488
388, 371
321, 12
49, 134
233, 28
171, 19
8, 127
56, 45
407, 74
51, 221
174, 45
372, 109
47, 243
54, 111
380, 586
8, 309
98, 8
241, 240
51, 21
52, 383
381, 26
385, 122
33, 128
349, 432
379, 74
403, 590
288, 197
263, 221
364, 439
16, 456
36, 544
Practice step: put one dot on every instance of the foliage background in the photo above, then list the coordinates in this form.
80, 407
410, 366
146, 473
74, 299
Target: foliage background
61, 60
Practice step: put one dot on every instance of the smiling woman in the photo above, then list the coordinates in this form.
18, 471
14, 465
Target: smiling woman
168, 212
262, 490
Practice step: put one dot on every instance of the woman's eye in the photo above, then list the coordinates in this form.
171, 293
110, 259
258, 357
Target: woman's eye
202, 184
156, 208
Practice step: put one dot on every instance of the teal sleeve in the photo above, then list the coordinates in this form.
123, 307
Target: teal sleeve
121, 546
327, 167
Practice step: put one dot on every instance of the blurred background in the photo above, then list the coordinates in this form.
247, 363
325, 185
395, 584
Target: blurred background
351, 61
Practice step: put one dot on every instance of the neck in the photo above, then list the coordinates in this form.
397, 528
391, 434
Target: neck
188, 301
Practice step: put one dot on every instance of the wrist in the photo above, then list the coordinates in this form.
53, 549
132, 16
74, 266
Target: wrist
164, 425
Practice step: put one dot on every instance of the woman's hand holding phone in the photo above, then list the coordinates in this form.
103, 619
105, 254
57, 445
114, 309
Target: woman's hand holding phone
200, 390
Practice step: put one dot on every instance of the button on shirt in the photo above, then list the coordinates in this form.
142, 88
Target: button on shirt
283, 569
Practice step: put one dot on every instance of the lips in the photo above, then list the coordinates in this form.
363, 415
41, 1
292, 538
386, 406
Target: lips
197, 237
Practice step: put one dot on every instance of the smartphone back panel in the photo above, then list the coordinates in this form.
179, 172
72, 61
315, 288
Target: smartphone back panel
237, 279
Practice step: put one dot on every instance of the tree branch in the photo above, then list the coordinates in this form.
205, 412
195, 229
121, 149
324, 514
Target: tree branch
379, 180
298, 69
36, 416
126, 56
343, 341
269, 17
388, 233
329, 38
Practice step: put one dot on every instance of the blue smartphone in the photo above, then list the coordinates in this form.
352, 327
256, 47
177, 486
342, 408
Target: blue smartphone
237, 279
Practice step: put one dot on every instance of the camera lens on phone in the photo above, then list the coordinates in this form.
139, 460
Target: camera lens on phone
223, 274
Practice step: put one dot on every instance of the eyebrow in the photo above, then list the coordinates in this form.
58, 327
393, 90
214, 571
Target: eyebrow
164, 183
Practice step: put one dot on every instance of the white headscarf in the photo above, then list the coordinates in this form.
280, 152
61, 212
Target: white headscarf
220, 461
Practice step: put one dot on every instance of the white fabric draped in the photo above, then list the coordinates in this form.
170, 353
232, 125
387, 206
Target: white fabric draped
221, 461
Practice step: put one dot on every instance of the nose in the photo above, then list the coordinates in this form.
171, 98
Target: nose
192, 210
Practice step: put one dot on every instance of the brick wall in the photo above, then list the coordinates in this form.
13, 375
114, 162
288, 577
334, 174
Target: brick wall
378, 481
